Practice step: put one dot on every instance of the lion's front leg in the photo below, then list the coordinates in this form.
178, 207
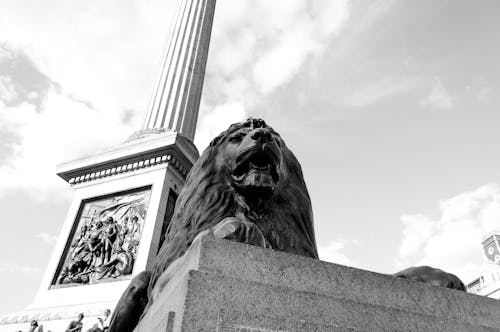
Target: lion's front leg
232, 228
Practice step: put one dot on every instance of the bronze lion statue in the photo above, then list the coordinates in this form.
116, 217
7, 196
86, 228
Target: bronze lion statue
247, 186
249, 179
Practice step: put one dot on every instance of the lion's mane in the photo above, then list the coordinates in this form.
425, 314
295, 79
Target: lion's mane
208, 197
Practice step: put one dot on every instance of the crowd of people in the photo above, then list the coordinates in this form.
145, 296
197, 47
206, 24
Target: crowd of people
102, 324
102, 249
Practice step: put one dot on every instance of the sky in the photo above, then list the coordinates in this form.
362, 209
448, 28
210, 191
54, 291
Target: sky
392, 108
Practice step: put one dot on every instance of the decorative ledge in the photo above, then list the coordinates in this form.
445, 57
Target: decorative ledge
130, 167
146, 152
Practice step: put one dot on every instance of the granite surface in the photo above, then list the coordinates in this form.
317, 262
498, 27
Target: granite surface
228, 286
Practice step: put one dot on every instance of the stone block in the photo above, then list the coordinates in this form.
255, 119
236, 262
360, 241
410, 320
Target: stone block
228, 286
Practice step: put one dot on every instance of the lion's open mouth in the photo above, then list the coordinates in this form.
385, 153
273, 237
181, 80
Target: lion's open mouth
257, 168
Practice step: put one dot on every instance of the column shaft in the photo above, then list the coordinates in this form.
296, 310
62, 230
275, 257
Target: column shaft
176, 101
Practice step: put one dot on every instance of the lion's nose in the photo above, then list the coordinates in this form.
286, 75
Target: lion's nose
262, 135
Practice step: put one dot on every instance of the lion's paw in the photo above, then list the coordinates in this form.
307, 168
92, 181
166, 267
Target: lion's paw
234, 229
432, 276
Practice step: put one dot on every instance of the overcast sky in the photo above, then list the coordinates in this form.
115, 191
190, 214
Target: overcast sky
392, 107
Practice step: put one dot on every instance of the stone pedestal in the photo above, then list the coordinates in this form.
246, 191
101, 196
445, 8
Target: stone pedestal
156, 164
228, 286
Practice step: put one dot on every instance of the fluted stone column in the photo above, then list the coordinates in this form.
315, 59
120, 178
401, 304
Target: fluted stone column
176, 101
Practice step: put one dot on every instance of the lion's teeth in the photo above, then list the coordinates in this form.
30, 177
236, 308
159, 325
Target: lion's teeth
261, 168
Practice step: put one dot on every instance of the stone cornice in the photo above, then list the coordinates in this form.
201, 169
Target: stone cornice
169, 148
130, 166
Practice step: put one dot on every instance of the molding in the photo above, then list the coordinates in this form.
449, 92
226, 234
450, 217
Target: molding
130, 166
166, 148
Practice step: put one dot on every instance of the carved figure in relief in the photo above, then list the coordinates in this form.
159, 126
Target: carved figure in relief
75, 273
247, 186
132, 235
95, 245
80, 247
108, 238
105, 247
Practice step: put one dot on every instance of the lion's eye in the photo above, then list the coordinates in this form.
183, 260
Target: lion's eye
237, 137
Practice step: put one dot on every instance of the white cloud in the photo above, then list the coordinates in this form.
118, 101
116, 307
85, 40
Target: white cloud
47, 238
378, 90
485, 95
332, 253
452, 242
484, 91
416, 230
284, 60
90, 53
7, 90
218, 120
439, 97
266, 43
64, 130
9, 267
99, 69
331, 15
93, 57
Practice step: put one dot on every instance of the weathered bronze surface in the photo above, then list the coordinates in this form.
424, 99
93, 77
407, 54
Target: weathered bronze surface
105, 244
131, 304
432, 276
247, 187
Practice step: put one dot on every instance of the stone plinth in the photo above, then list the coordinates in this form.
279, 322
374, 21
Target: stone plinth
228, 286
156, 164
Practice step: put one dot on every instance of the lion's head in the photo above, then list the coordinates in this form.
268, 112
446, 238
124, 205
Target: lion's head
247, 169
